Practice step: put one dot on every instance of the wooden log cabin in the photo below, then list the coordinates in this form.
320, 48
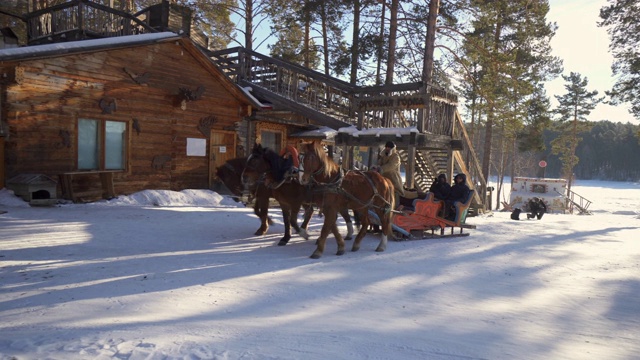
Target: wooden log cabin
118, 115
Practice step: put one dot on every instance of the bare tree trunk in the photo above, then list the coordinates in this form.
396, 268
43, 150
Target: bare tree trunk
393, 33
391, 56
380, 53
248, 27
427, 68
307, 41
355, 46
488, 135
486, 159
574, 145
325, 40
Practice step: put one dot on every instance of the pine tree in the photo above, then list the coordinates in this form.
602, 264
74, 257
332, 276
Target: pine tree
573, 108
620, 17
508, 49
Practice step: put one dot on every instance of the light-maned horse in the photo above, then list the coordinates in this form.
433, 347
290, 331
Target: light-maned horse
230, 173
260, 168
334, 189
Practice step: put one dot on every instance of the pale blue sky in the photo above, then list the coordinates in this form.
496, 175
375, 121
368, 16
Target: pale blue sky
584, 48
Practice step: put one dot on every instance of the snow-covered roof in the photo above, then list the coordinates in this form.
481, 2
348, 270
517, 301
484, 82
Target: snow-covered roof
37, 51
398, 132
322, 132
247, 90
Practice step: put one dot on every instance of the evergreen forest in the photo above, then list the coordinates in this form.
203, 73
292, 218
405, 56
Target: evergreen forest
609, 151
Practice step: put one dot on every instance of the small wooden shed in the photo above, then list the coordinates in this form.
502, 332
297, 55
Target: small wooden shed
36, 189
118, 115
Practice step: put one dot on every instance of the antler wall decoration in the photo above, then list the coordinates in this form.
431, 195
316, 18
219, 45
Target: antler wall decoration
205, 124
191, 95
140, 79
65, 139
185, 95
108, 106
136, 126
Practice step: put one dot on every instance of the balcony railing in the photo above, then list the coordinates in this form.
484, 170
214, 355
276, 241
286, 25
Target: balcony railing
81, 19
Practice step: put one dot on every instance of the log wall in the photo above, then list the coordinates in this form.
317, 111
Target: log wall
49, 96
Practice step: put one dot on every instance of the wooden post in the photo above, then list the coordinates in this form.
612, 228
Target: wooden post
106, 180
410, 172
411, 165
80, 17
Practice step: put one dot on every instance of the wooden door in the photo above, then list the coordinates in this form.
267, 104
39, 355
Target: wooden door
222, 148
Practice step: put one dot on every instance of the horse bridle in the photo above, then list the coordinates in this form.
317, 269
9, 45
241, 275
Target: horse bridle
261, 178
263, 175
333, 184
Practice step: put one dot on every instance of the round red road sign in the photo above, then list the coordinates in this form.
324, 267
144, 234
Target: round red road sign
542, 163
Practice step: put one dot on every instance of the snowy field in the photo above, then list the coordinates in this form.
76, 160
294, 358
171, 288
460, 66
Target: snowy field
168, 275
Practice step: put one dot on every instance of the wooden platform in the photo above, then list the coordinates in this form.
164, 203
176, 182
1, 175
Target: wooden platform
106, 190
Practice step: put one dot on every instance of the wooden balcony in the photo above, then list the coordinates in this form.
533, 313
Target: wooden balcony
83, 19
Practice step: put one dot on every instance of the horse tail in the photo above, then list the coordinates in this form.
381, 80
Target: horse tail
390, 198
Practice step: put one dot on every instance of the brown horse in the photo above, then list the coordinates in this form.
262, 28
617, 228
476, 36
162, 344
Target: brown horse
231, 176
360, 191
261, 167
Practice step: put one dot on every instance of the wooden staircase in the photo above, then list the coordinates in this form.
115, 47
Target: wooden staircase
336, 103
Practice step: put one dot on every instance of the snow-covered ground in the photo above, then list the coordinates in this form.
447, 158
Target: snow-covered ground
168, 275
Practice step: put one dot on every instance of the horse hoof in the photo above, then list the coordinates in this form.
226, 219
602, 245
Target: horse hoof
315, 256
260, 233
340, 252
348, 238
283, 242
380, 249
354, 249
304, 234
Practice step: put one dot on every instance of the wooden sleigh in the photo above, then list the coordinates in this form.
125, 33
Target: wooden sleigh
425, 219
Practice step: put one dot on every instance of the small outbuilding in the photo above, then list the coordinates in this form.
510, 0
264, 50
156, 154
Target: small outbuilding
36, 189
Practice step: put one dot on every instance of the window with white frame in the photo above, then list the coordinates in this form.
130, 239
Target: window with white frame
101, 144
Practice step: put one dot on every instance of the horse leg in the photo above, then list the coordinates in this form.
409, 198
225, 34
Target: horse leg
262, 214
339, 239
328, 226
347, 219
386, 220
295, 209
387, 229
356, 220
364, 225
286, 218
308, 212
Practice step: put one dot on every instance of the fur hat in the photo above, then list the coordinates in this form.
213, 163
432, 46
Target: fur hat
390, 144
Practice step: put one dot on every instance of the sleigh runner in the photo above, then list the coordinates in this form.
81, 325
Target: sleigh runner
425, 219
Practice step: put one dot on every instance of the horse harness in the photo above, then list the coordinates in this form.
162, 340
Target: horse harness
335, 186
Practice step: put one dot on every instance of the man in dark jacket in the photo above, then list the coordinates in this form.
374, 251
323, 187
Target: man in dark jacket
440, 187
537, 208
459, 193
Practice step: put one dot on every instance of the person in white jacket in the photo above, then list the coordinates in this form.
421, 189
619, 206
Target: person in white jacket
389, 162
